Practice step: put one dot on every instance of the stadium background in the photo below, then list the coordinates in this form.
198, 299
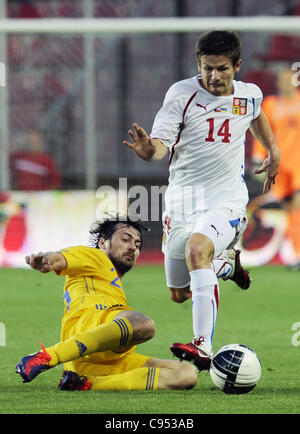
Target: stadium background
83, 93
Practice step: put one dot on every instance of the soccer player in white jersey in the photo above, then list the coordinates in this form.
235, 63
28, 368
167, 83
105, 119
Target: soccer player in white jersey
202, 123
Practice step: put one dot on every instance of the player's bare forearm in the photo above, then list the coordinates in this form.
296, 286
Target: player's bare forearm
144, 146
47, 261
261, 130
160, 149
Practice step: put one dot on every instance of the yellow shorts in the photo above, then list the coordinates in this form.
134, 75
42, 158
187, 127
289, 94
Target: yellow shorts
106, 362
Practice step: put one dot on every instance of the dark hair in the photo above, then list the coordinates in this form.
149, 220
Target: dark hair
106, 228
220, 42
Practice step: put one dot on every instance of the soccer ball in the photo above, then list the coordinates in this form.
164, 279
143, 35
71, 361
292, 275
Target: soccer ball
235, 369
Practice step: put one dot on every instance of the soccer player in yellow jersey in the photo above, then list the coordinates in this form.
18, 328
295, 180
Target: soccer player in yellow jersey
99, 331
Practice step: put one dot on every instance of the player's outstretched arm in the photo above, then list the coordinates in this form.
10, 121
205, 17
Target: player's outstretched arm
146, 148
261, 130
45, 262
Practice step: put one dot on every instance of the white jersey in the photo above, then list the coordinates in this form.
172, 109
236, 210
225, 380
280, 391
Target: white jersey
205, 135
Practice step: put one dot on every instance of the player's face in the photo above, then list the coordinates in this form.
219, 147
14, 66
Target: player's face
124, 247
217, 73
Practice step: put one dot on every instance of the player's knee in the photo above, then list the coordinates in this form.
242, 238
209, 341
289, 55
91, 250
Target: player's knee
177, 299
149, 329
143, 326
186, 376
144, 330
196, 253
199, 252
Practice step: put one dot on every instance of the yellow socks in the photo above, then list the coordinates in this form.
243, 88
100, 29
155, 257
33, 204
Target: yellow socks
108, 336
137, 379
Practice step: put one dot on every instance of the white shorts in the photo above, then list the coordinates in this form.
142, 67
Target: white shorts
224, 227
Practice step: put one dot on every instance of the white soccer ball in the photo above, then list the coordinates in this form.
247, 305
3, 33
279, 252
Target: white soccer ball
235, 369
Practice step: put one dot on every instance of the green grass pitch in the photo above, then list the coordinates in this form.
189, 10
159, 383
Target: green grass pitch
261, 318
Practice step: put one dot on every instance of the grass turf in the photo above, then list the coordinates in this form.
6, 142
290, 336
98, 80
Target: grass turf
261, 318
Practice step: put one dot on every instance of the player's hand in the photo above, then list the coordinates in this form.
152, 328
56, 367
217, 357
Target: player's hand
39, 262
270, 167
141, 143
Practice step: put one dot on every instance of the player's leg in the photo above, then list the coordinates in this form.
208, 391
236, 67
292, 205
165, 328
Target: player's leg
207, 241
155, 374
143, 378
180, 295
174, 374
143, 327
128, 328
177, 278
209, 238
175, 237
226, 266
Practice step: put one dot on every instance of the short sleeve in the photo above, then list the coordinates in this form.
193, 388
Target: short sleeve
169, 118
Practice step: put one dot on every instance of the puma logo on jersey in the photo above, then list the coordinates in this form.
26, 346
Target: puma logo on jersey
218, 233
202, 106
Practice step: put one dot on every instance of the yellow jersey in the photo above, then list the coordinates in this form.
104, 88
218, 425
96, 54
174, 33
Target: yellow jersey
91, 280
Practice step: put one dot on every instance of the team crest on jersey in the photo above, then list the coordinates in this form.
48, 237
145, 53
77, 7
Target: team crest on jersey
239, 106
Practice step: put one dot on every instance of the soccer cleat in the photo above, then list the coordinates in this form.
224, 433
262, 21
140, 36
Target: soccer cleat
194, 352
238, 274
33, 364
72, 381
